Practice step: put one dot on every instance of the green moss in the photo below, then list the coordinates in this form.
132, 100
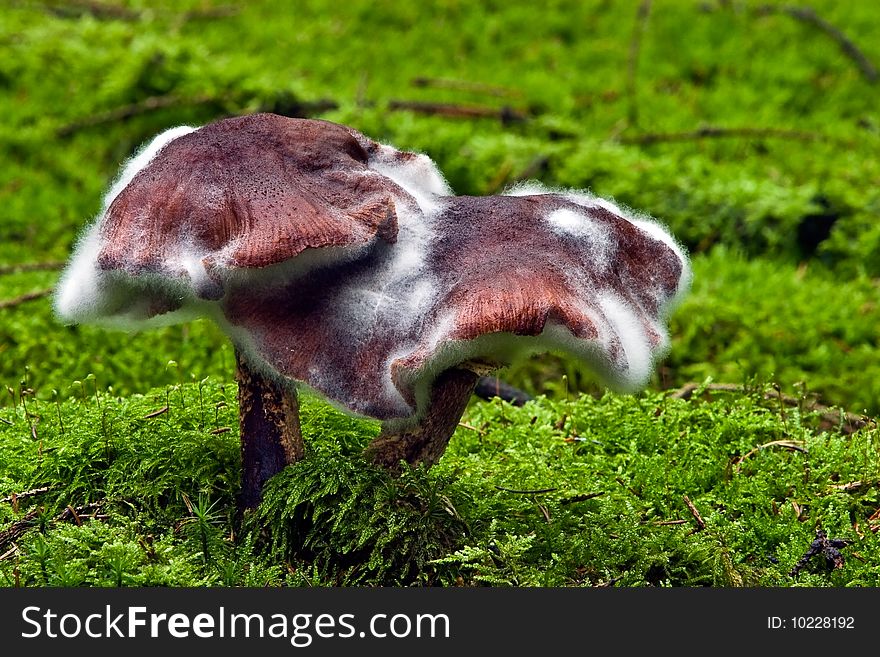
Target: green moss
765, 305
556, 493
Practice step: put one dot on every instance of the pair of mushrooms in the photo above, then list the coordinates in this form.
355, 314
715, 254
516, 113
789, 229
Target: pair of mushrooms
349, 266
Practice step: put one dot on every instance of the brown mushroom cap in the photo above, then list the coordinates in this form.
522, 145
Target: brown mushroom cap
415, 281
247, 193
198, 209
503, 281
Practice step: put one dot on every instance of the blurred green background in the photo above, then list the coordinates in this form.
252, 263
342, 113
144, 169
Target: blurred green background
750, 129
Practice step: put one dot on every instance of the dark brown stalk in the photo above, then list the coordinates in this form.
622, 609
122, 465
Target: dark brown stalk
427, 442
271, 438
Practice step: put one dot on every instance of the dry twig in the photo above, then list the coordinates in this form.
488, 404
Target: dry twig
635, 48
794, 445
668, 523
464, 85
853, 486
10, 552
472, 428
24, 298
156, 413
30, 266
701, 524
809, 16
25, 493
581, 497
131, 110
714, 132
526, 492
18, 528
830, 417
505, 114
21, 526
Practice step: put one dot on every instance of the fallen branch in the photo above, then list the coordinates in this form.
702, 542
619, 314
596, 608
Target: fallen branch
794, 445
24, 298
77, 513
99, 10
874, 521
582, 497
26, 493
124, 112
156, 413
830, 417
464, 85
701, 524
18, 528
472, 428
809, 16
712, 132
854, 487
282, 105
506, 114
609, 583
21, 526
30, 266
526, 492
489, 387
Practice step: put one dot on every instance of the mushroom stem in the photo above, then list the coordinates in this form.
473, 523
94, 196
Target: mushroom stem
426, 442
271, 438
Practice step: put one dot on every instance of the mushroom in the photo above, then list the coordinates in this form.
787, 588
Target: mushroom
345, 265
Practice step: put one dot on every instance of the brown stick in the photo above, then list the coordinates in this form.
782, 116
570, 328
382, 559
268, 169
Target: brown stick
534, 491
701, 524
271, 438
711, 132
21, 526
287, 107
830, 417
99, 10
505, 114
30, 266
794, 445
25, 493
124, 112
426, 442
809, 16
24, 298
18, 528
464, 85
635, 48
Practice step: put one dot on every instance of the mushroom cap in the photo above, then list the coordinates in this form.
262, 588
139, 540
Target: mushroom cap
198, 208
248, 192
346, 265
499, 277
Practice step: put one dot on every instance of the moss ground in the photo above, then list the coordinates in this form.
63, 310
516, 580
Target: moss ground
750, 132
